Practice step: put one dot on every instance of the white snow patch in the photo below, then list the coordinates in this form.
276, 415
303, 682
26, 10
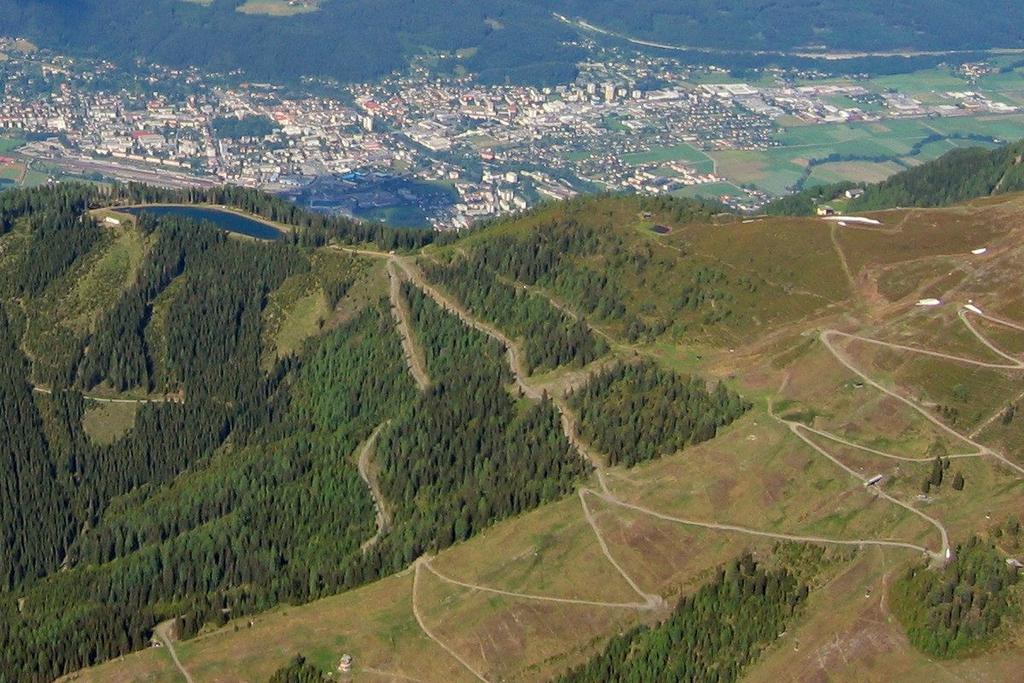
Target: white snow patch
853, 219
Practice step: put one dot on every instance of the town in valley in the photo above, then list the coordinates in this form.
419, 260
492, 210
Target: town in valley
431, 145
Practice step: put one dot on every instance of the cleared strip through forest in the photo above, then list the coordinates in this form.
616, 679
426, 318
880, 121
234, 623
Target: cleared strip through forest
99, 399
400, 310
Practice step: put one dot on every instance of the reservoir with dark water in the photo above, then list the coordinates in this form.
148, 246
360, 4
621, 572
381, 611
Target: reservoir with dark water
225, 220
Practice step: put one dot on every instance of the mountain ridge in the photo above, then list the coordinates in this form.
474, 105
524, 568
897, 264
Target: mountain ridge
522, 41
746, 353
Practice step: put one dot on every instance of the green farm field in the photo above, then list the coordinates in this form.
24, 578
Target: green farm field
682, 152
881, 149
8, 144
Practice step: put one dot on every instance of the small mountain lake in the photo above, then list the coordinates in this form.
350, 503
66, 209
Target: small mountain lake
225, 220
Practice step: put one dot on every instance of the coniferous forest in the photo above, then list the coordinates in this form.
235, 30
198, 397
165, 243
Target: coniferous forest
636, 412
466, 453
961, 608
235, 487
298, 671
550, 337
957, 176
710, 636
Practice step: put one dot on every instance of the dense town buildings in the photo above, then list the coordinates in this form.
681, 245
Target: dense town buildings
464, 150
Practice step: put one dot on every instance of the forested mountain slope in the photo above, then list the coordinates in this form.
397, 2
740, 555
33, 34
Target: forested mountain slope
523, 41
166, 459
621, 404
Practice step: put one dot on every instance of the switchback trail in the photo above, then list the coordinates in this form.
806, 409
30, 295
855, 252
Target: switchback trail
874, 451
529, 596
163, 632
561, 306
652, 601
795, 428
1012, 363
755, 532
1000, 321
511, 349
426, 629
368, 477
570, 428
1017, 363
826, 339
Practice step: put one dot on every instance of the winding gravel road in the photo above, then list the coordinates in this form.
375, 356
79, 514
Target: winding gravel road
429, 633
163, 633
379, 504
530, 596
826, 339
756, 532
